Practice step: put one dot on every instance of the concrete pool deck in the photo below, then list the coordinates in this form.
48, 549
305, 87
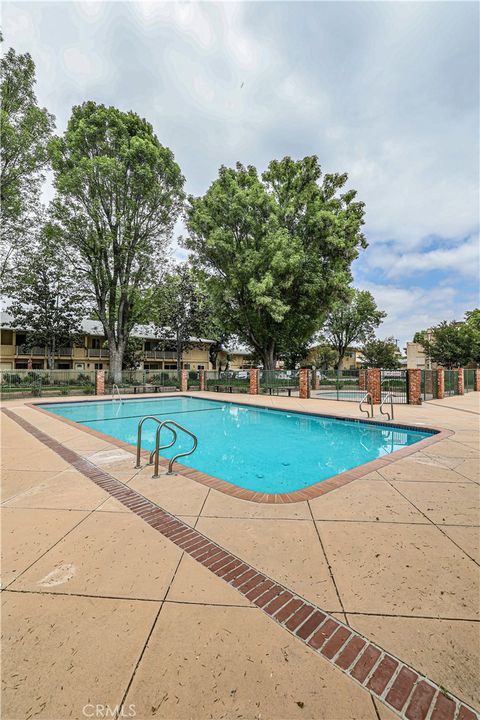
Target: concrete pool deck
101, 609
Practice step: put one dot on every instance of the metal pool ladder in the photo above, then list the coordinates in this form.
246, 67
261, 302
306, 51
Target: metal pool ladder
388, 397
171, 425
116, 392
366, 410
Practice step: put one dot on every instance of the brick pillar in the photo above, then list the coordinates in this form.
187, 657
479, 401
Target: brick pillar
316, 380
414, 386
374, 384
440, 383
100, 382
253, 386
362, 380
201, 374
461, 383
184, 381
304, 384
476, 380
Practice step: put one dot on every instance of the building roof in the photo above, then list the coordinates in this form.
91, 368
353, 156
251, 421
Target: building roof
94, 327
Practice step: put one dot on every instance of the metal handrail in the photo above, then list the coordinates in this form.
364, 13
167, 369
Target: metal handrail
367, 395
385, 399
168, 423
156, 452
116, 388
139, 438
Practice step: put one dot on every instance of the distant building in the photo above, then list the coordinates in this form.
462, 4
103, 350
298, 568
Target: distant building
91, 353
416, 356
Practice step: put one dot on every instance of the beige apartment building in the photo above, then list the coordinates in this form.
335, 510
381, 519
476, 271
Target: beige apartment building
91, 353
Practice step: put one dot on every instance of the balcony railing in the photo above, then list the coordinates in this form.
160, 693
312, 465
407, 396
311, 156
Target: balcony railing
37, 351
160, 354
97, 353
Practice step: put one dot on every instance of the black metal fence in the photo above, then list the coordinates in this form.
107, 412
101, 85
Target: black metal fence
235, 381
394, 383
469, 380
279, 382
138, 380
451, 382
45, 383
429, 387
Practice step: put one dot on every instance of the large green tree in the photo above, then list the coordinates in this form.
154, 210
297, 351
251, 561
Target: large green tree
381, 353
276, 250
26, 129
119, 195
46, 299
179, 310
352, 321
453, 344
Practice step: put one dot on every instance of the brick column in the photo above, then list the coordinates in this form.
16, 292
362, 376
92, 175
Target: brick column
461, 383
253, 385
362, 380
183, 380
440, 383
414, 386
100, 382
374, 384
476, 380
201, 374
316, 380
304, 384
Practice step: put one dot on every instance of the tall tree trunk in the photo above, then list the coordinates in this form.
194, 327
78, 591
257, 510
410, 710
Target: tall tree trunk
268, 357
179, 359
116, 351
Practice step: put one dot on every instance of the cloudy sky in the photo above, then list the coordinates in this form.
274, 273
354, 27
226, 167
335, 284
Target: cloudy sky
387, 92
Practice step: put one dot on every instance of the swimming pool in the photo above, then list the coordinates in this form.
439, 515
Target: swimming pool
255, 448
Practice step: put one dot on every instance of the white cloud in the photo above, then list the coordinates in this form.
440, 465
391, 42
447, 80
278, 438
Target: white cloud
413, 308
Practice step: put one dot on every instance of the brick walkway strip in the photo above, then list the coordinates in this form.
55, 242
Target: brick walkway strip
408, 693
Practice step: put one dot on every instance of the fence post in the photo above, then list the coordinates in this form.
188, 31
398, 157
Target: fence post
183, 381
253, 388
440, 383
304, 385
476, 379
414, 386
460, 382
374, 384
201, 375
316, 379
100, 382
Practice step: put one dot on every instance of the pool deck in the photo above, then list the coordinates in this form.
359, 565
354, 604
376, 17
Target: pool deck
104, 605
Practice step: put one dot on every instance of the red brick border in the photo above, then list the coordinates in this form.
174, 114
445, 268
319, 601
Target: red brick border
407, 692
307, 493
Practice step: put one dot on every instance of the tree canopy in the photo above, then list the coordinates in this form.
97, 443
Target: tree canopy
455, 344
380, 353
179, 310
119, 195
352, 321
276, 249
25, 132
46, 298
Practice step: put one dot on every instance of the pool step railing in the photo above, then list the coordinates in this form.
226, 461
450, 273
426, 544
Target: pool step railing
365, 398
388, 396
155, 454
116, 392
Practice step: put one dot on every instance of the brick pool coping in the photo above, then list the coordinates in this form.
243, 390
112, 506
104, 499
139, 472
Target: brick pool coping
308, 493
408, 693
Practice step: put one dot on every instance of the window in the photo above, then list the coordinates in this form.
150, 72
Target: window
7, 337
201, 367
170, 366
186, 366
98, 366
96, 344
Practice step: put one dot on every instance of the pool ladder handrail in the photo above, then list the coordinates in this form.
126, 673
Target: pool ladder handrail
365, 410
390, 414
117, 389
156, 452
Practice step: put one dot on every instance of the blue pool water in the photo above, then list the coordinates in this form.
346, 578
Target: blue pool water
259, 449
